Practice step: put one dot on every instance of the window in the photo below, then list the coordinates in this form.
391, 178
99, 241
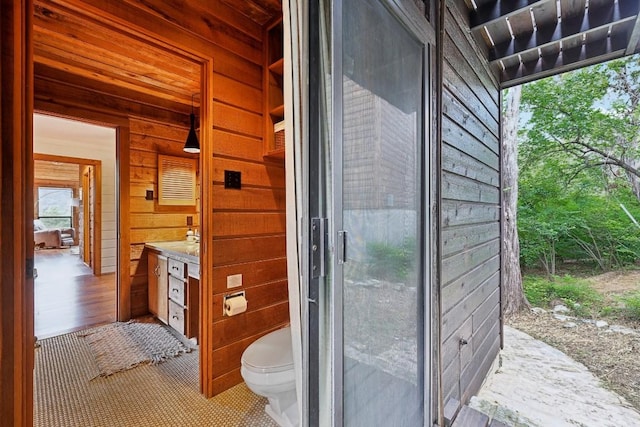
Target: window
54, 206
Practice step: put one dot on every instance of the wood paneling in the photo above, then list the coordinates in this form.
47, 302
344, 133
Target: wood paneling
51, 172
251, 323
248, 225
470, 214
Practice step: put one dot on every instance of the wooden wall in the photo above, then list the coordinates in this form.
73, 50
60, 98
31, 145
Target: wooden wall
248, 224
470, 275
150, 222
56, 173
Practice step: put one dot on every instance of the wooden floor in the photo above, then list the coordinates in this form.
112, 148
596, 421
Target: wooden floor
68, 297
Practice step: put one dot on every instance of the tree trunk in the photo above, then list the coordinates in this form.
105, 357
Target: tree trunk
513, 298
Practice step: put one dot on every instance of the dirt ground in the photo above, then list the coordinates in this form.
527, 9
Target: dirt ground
611, 356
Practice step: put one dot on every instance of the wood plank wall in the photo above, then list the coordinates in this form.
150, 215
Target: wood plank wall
150, 222
470, 276
248, 224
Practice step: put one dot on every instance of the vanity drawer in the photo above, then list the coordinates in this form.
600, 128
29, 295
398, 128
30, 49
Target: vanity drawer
176, 268
176, 290
176, 317
194, 270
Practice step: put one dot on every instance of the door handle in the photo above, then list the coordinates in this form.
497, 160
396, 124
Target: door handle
342, 247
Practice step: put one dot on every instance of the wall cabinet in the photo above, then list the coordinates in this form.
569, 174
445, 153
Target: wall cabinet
273, 69
158, 283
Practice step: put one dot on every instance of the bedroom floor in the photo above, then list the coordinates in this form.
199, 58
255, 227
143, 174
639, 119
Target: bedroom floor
68, 297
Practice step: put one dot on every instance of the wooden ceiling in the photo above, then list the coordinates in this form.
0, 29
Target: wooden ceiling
530, 39
73, 45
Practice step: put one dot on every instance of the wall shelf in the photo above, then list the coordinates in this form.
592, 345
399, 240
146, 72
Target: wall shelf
273, 70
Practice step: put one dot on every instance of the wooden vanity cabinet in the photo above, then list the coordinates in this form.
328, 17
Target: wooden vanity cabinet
174, 293
158, 283
183, 297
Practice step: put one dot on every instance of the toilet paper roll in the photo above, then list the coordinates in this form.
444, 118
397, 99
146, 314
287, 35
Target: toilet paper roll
235, 305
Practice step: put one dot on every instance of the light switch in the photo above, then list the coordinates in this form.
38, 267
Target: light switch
234, 281
232, 179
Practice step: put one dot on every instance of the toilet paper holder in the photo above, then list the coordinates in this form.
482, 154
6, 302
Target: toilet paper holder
228, 297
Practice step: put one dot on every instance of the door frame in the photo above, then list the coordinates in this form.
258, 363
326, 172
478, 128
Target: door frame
16, 213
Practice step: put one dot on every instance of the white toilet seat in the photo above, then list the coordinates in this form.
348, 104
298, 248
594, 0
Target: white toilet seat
267, 369
270, 353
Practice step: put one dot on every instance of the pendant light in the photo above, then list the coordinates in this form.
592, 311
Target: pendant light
192, 145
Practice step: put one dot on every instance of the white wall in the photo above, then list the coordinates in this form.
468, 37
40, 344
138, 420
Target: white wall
62, 137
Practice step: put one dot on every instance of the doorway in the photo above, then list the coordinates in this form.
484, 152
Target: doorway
75, 285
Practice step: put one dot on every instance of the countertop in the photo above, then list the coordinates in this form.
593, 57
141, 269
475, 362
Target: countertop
180, 249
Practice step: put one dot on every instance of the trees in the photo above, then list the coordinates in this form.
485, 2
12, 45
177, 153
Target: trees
579, 159
591, 116
512, 292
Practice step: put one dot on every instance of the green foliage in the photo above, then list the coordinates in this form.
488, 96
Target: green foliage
574, 219
537, 290
582, 130
575, 293
632, 305
388, 262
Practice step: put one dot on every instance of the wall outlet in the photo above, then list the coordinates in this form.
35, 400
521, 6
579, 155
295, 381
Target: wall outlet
234, 281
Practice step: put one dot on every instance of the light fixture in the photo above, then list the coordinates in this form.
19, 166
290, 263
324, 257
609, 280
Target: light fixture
192, 145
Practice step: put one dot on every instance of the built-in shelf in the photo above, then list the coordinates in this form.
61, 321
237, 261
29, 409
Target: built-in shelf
277, 112
273, 90
277, 67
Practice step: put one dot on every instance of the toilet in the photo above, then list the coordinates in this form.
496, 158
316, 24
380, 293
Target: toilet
267, 369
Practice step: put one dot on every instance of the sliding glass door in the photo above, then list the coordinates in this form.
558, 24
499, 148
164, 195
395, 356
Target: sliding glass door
373, 91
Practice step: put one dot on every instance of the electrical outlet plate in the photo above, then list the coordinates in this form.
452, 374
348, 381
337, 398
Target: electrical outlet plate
234, 281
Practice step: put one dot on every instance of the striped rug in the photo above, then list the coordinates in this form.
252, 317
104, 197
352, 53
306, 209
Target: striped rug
124, 345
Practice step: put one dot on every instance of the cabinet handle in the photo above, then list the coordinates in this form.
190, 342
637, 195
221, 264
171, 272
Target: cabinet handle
157, 270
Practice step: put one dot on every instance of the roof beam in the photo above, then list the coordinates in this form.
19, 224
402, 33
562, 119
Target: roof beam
634, 39
592, 21
569, 59
496, 10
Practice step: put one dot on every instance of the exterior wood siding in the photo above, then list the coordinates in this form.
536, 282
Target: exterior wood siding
470, 215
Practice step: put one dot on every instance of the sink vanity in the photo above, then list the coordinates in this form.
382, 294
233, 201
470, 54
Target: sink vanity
174, 282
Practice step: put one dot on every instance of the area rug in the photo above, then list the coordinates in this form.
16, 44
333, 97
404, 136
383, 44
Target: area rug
120, 346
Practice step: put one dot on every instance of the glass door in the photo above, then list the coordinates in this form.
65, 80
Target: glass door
378, 217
